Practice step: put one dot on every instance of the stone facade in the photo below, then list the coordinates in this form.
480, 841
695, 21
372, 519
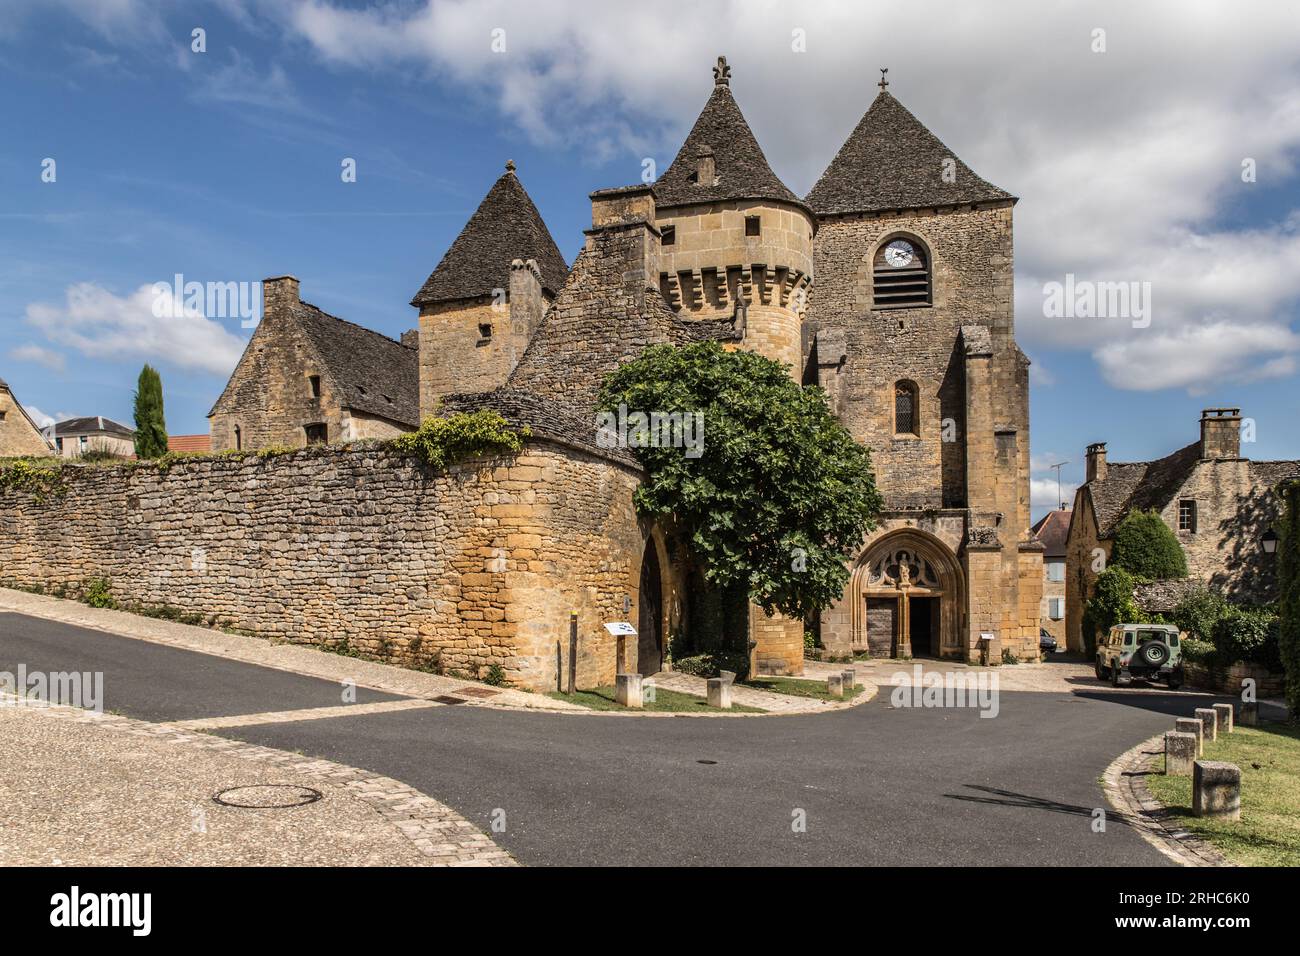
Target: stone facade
361, 549
1218, 504
1053, 531
19, 435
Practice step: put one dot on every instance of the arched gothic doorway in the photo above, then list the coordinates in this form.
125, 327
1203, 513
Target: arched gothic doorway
650, 613
908, 598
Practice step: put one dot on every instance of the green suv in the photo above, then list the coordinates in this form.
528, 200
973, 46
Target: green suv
1147, 651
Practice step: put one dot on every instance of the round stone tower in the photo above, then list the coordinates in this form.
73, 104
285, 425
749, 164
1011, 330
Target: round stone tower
735, 241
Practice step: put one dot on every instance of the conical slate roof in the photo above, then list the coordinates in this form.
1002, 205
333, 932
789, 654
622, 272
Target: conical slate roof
505, 226
741, 168
891, 161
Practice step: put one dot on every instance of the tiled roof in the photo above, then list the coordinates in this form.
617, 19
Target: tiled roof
1271, 473
506, 226
377, 375
93, 425
741, 168
1052, 530
891, 161
189, 444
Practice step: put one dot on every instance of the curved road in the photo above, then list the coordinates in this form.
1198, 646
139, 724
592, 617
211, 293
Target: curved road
876, 785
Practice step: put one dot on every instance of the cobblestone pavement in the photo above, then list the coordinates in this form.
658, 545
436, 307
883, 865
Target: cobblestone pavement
86, 789
299, 659
769, 701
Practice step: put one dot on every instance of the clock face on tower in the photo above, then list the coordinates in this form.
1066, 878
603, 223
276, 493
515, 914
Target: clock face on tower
899, 253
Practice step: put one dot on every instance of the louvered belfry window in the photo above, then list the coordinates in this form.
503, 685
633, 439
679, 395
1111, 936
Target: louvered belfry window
906, 419
900, 274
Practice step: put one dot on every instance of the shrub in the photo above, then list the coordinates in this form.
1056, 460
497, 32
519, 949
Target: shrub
1249, 635
440, 442
1112, 603
98, 592
496, 675
33, 476
1289, 606
809, 642
1145, 547
709, 665
1199, 612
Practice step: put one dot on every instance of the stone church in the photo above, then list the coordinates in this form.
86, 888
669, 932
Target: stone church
889, 286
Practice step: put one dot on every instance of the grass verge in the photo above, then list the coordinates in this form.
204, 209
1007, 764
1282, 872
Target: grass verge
1268, 833
799, 687
665, 702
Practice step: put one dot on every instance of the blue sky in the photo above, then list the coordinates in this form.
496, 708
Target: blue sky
225, 166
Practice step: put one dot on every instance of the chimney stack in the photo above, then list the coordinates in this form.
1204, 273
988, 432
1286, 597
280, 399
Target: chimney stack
1220, 433
1096, 462
279, 293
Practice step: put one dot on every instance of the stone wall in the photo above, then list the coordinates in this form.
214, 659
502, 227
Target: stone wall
359, 549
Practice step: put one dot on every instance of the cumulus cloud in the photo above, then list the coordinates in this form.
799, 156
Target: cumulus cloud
1042, 492
40, 356
101, 325
39, 417
1128, 162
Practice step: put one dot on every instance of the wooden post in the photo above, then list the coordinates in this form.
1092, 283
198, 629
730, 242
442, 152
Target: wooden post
621, 641
573, 651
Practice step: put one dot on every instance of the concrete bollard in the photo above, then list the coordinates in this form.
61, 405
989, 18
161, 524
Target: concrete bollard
1249, 716
1216, 790
728, 676
719, 693
627, 689
1210, 718
1225, 717
850, 680
835, 685
1190, 725
1180, 753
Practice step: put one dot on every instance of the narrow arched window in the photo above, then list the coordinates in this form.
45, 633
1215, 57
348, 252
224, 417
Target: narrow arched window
907, 417
239, 439
900, 274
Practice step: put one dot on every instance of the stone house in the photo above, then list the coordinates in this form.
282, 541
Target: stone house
1219, 504
79, 436
307, 377
889, 286
1053, 530
19, 435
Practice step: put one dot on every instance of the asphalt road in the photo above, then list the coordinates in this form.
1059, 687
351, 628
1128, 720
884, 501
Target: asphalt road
876, 785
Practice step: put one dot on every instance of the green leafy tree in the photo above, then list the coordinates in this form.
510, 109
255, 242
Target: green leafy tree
1145, 547
1289, 606
1199, 613
1111, 603
150, 423
776, 496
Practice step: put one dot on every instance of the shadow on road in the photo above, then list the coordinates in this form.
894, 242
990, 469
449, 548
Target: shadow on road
1009, 798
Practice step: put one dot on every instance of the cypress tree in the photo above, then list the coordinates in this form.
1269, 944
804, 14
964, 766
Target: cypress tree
150, 424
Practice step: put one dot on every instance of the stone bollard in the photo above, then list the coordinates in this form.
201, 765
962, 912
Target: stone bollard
719, 693
1225, 717
850, 680
1249, 716
1210, 718
1216, 790
835, 685
627, 689
728, 676
1180, 753
1190, 725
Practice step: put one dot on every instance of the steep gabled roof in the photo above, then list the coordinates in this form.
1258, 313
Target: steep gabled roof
1139, 486
1052, 530
891, 161
741, 168
506, 226
376, 374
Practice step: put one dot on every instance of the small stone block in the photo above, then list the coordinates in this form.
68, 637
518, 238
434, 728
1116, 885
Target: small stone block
1225, 717
719, 693
627, 689
850, 679
1191, 725
835, 685
1210, 718
1180, 753
1249, 716
728, 676
1216, 790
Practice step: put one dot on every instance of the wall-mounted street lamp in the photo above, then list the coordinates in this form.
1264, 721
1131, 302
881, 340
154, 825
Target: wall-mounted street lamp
1268, 541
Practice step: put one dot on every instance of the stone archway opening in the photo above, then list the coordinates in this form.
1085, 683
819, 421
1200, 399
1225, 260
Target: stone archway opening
908, 599
650, 613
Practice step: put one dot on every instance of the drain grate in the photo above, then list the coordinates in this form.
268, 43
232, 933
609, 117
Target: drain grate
450, 701
477, 692
267, 796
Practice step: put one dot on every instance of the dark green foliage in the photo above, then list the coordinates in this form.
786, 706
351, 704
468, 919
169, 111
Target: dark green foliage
781, 495
1146, 548
440, 442
1249, 635
150, 422
1199, 612
1289, 606
710, 664
1112, 603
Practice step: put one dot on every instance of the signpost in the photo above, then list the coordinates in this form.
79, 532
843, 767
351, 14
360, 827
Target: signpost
621, 630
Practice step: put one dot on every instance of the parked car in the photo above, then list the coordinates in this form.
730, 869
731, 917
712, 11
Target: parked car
1046, 643
1147, 651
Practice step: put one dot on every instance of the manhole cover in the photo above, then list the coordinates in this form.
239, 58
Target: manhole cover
709, 762
477, 692
267, 796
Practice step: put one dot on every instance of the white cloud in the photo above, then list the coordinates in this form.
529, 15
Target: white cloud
1042, 492
39, 417
101, 325
238, 82
1128, 163
40, 356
